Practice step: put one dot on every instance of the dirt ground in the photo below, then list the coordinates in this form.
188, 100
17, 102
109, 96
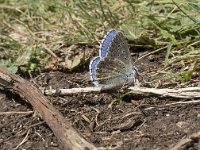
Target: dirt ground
135, 123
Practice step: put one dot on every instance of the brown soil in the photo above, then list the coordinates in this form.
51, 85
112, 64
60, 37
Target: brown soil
135, 122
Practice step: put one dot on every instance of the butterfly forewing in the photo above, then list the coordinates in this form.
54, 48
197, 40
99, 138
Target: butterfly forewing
119, 49
105, 44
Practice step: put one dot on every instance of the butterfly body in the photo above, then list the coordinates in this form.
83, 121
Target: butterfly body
113, 67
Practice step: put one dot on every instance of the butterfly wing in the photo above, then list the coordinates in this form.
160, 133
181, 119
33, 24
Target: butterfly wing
105, 43
114, 65
119, 49
93, 67
110, 72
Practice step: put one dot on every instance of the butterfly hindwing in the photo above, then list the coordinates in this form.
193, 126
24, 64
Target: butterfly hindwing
93, 65
108, 71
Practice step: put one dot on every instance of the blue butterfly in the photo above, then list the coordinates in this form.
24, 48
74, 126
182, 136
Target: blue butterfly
113, 67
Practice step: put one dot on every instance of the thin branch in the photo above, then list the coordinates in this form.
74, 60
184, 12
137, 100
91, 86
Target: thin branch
16, 113
72, 91
189, 92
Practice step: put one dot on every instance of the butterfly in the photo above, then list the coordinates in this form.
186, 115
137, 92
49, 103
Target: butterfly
113, 67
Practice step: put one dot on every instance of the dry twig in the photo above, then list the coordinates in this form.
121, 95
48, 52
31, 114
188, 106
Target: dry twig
189, 92
16, 113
